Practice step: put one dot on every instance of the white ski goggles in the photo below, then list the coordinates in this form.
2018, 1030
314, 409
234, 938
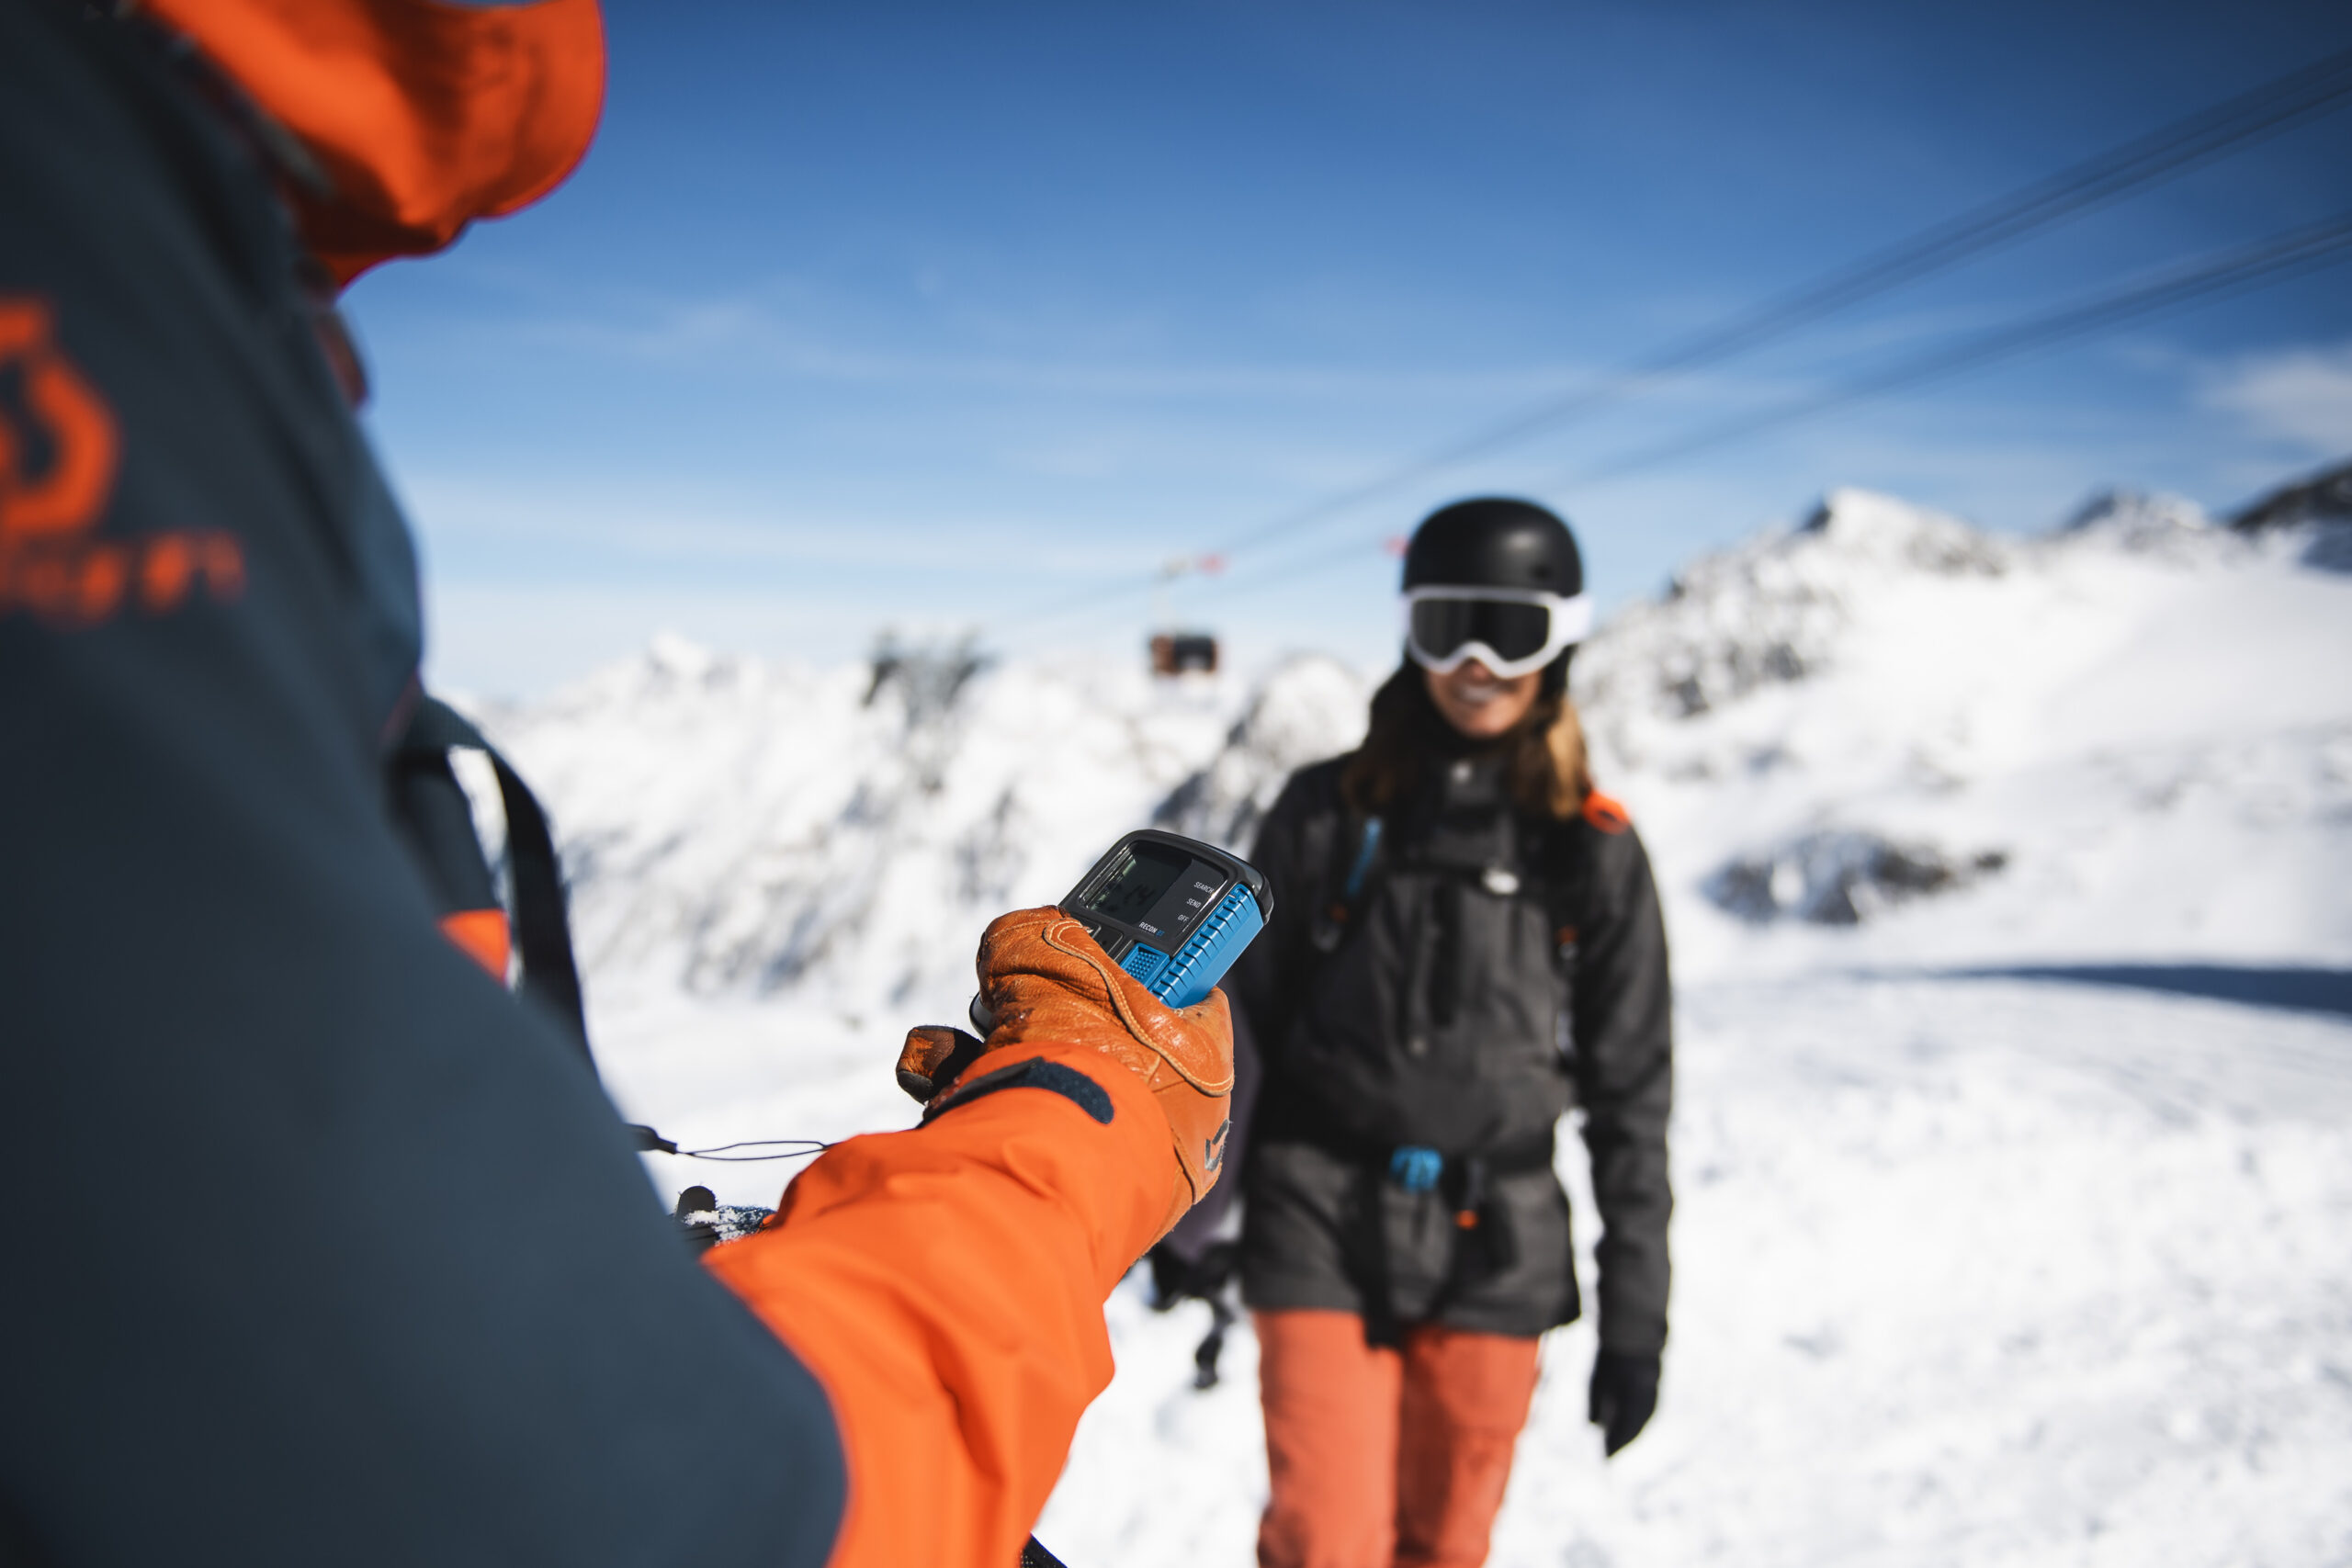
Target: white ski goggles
1511, 631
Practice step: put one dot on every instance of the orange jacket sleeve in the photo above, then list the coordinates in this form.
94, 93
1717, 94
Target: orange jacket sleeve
945, 1285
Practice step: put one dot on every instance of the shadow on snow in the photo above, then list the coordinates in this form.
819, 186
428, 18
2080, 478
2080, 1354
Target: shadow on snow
2295, 987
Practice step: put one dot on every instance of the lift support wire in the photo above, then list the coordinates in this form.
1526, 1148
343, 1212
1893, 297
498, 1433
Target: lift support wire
2231, 126
2308, 248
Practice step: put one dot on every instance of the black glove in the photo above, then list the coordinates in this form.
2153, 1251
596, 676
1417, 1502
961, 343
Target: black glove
1624, 1395
1172, 1277
1176, 1278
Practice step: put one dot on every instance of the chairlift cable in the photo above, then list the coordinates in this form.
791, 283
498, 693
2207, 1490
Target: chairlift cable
2096, 182
2231, 126
2302, 250
2318, 244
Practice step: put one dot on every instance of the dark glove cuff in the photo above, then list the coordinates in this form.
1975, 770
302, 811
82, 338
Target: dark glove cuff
1647, 1340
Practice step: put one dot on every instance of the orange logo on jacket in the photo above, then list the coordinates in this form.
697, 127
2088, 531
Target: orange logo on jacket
59, 449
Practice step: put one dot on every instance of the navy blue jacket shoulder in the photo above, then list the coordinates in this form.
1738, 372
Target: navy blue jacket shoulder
319, 1248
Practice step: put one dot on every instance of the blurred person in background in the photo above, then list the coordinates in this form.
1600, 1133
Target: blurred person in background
360, 1265
1467, 943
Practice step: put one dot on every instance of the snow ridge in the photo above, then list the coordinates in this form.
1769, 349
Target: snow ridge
2125, 739
2117, 739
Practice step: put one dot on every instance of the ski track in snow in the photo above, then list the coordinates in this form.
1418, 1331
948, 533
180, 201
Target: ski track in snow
1984, 1271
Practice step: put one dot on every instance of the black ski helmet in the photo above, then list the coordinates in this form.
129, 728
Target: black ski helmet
1499, 542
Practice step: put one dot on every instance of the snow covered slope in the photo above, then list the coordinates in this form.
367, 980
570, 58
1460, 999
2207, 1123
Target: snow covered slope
1975, 1265
2132, 739
843, 835
1983, 1273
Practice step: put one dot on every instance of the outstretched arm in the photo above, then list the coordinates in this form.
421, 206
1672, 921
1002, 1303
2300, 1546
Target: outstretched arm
945, 1284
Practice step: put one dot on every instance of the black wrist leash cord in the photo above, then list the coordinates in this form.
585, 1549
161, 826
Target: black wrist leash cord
652, 1143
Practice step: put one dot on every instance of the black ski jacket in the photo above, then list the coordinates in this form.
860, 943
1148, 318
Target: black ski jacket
1490, 971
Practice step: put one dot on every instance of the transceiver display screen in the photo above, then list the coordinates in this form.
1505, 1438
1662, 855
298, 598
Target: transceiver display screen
1145, 872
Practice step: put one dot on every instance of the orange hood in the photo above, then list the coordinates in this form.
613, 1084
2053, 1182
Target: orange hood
424, 115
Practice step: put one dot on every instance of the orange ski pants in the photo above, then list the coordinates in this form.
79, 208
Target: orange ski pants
1385, 1458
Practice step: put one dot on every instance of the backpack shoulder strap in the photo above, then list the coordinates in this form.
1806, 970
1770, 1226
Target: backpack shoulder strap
542, 924
1563, 866
1347, 858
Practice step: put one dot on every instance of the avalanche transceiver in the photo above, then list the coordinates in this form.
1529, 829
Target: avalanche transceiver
1171, 911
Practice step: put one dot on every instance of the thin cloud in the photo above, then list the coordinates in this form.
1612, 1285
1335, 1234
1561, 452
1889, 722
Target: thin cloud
2302, 396
751, 335
480, 529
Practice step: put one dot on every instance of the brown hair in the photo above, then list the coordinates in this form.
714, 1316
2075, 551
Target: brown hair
1549, 773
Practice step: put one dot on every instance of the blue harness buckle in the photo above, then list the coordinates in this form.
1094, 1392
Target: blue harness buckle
1416, 1169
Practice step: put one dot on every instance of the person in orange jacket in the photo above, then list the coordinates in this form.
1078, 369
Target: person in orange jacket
358, 1265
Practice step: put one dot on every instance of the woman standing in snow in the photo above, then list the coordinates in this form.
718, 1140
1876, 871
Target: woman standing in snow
1467, 943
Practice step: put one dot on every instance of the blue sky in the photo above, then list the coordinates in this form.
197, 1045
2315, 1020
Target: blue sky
932, 318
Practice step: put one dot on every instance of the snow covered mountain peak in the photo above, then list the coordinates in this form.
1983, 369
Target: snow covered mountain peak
1775, 609
730, 823
1863, 524
2129, 736
1310, 708
2132, 511
672, 655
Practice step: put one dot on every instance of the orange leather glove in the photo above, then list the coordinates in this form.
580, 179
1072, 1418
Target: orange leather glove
1048, 982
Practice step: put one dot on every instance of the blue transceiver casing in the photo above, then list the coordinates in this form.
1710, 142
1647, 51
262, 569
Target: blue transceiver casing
1174, 912
1171, 911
